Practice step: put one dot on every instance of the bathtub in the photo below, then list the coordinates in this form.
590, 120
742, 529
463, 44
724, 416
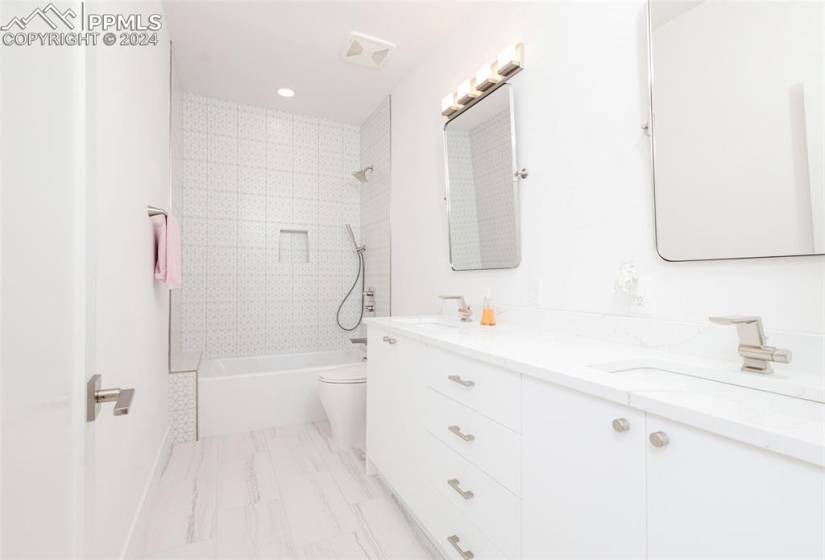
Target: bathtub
257, 392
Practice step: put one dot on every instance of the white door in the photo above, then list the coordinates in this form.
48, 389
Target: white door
43, 305
584, 479
711, 497
128, 115
85, 148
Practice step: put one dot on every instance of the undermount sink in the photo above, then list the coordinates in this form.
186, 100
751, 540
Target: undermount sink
429, 322
792, 385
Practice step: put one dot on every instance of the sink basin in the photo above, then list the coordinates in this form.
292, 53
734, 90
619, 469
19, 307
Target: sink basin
429, 322
792, 385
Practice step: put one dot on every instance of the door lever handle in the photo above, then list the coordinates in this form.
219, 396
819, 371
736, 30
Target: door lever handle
95, 396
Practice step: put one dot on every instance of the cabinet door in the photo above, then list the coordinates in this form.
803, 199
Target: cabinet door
395, 400
380, 373
711, 497
583, 486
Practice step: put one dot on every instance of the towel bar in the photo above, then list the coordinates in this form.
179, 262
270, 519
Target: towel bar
155, 211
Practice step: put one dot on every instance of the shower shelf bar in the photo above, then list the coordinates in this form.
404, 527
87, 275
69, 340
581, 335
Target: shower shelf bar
155, 211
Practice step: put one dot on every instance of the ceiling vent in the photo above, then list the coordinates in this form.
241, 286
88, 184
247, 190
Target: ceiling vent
364, 50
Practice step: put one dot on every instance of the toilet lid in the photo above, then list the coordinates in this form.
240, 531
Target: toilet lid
344, 375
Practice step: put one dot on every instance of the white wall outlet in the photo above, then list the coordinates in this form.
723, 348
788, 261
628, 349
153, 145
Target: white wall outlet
535, 289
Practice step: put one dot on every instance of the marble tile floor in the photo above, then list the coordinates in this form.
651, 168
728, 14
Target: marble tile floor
278, 493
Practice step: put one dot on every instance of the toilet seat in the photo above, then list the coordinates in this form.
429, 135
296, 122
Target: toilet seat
342, 377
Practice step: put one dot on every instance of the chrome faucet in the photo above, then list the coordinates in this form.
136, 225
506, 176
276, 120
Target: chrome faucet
464, 310
756, 354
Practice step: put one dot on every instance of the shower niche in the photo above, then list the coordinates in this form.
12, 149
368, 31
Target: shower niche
293, 246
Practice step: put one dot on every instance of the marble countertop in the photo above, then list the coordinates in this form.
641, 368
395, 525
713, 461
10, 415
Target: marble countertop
782, 412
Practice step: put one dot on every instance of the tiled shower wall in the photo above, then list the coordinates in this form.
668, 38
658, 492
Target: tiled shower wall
265, 196
375, 204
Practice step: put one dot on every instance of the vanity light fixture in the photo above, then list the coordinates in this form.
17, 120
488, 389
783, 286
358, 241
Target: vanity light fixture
487, 77
510, 59
449, 105
467, 92
286, 92
486, 80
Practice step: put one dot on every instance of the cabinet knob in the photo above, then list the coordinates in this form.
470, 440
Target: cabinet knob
659, 439
389, 339
621, 424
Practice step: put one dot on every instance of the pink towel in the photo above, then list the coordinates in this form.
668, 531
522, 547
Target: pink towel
168, 257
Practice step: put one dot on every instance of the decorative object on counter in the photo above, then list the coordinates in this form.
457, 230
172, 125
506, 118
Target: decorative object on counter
628, 283
487, 78
488, 315
167, 247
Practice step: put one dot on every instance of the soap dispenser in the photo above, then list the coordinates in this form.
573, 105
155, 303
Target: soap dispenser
488, 316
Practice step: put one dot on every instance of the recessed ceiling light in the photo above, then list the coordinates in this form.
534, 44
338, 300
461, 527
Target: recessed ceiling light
286, 92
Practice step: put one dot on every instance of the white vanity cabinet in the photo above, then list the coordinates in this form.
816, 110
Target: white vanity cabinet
712, 497
498, 464
583, 475
656, 487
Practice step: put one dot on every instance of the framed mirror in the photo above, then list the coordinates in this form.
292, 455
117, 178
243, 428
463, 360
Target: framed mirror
737, 125
482, 185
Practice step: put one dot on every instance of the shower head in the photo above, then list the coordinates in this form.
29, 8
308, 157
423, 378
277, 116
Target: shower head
361, 174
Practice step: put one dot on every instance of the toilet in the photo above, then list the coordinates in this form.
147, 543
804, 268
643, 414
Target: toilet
343, 393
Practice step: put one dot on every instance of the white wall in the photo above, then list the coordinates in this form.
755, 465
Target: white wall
42, 348
587, 205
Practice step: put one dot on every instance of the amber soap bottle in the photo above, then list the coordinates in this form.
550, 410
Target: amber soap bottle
488, 316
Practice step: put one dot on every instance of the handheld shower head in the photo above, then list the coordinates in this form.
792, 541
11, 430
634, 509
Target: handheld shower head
358, 249
361, 174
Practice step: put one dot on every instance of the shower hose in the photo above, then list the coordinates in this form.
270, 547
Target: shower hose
360, 276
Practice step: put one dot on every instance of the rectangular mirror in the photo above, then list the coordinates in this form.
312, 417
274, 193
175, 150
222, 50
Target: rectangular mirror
482, 186
737, 127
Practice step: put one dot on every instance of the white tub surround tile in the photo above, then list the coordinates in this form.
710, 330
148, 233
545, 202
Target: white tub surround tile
248, 174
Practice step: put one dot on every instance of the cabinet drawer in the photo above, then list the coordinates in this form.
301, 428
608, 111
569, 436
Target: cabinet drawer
492, 508
491, 447
453, 533
495, 392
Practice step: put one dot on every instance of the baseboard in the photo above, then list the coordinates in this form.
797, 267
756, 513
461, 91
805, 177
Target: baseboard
131, 547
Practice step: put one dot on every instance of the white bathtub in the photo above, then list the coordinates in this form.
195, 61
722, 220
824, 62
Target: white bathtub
253, 393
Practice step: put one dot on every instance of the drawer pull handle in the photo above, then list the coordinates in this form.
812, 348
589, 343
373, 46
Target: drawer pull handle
659, 439
465, 554
621, 424
456, 485
457, 379
457, 431
389, 339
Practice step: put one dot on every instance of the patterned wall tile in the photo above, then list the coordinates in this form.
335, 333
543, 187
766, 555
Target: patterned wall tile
252, 122
252, 180
223, 118
249, 173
